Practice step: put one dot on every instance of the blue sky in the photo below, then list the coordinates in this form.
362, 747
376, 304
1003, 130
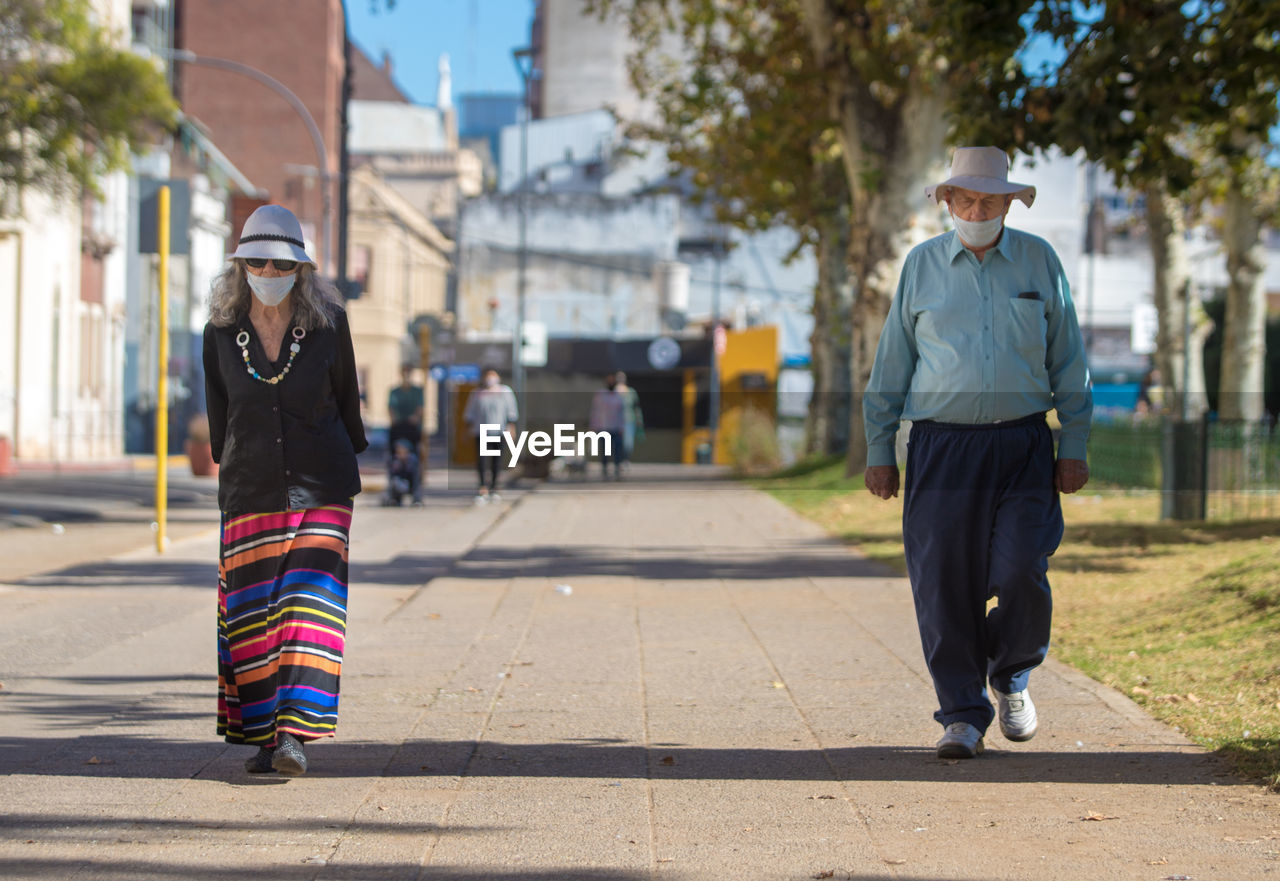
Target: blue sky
478, 35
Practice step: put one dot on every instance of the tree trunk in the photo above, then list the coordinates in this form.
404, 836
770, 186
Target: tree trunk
1179, 337
891, 217
827, 422
891, 148
1244, 325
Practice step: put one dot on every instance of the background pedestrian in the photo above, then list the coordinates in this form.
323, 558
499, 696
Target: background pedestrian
491, 404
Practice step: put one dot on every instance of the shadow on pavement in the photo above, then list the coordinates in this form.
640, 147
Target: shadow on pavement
661, 563
403, 569
52, 827
556, 562
131, 757
136, 869
75, 710
142, 573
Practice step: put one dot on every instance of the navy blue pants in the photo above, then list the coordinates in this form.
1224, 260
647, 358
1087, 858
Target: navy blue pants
980, 519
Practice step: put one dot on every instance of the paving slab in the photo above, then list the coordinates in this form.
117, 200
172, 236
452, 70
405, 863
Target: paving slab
671, 677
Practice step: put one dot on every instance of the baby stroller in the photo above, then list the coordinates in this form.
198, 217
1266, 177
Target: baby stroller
404, 476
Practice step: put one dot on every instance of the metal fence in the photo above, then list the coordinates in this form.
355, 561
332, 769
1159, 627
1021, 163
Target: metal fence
1207, 469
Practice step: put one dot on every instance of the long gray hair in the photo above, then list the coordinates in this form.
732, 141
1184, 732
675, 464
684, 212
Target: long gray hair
315, 301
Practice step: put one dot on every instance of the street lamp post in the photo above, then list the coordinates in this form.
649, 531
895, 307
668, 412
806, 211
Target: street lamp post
524, 65
186, 56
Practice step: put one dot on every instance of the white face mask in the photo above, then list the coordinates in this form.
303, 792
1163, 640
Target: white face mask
491, 382
270, 291
978, 233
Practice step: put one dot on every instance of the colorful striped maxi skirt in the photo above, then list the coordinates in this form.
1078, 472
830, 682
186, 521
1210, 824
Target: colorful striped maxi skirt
282, 621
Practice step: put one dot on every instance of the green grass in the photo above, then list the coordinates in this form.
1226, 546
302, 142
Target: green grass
1183, 617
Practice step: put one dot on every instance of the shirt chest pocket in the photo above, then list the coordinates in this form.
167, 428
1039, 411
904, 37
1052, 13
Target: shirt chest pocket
1028, 328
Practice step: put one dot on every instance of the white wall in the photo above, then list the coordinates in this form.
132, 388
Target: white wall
389, 127
583, 62
582, 137
40, 280
590, 270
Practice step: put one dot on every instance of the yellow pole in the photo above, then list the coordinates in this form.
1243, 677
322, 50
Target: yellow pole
162, 373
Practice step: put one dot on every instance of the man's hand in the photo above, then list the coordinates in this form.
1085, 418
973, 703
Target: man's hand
882, 480
1070, 475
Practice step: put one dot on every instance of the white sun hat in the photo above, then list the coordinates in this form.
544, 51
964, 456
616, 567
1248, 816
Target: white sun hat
983, 170
273, 232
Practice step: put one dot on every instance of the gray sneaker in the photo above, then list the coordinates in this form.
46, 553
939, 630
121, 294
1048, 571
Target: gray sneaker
960, 741
1017, 715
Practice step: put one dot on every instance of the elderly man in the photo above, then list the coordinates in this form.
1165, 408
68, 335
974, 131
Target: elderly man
980, 342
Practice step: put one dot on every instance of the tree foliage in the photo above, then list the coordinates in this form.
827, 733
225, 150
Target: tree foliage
73, 105
740, 107
741, 111
867, 83
1176, 100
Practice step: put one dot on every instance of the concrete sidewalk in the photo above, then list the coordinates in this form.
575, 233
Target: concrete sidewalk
664, 678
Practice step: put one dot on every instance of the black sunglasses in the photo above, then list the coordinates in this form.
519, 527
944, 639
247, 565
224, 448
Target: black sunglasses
261, 263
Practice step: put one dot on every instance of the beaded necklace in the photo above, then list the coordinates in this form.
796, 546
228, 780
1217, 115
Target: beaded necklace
242, 340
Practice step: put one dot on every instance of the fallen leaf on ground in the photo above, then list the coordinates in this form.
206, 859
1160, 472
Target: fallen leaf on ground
830, 874
820, 797
1160, 862
1093, 815
896, 862
668, 760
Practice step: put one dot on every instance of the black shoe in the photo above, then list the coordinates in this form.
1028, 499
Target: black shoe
288, 758
260, 762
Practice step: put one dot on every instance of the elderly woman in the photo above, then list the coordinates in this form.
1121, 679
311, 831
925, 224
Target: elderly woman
284, 421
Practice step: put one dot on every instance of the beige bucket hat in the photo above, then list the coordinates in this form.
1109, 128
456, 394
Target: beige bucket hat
983, 170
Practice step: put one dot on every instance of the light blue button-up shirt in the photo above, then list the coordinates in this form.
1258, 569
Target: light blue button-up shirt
975, 342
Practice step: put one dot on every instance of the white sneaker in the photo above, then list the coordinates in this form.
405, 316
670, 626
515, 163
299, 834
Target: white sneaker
1017, 715
960, 741
495, 497
482, 499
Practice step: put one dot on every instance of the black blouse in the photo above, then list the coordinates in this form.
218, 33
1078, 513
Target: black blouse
293, 444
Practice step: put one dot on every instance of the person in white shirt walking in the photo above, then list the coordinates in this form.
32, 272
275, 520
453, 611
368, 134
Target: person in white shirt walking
491, 404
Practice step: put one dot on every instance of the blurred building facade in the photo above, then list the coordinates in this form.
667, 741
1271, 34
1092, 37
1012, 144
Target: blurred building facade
401, 262
615, 248
408, 179
300, 44
63, 270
